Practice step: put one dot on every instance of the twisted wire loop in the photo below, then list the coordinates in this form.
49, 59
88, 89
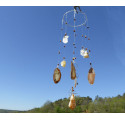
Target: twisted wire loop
70, 25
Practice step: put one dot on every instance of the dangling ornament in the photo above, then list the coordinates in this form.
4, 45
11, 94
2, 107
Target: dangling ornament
65, 39
72, 103
86, 54
63, 63
82, 51
73, 71
56, 75
91, 76
74, 23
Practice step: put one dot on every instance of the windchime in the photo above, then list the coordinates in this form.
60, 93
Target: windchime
72, 19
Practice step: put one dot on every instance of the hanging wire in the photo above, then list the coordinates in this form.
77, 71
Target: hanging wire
74, 44
59, 49
85, 35
61, 31
90, 58
82, 36
75, 81
65, 35
66, 24
88, 29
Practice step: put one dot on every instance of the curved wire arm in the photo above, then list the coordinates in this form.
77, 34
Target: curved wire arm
84, 23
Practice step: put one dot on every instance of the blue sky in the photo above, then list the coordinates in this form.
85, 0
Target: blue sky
29, 39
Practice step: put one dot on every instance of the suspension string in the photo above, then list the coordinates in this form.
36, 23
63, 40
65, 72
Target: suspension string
90, 58
88, 30
59, 50
61, 31
82, 37
74, 57
66, 24
65, 35
85, 36
74, 44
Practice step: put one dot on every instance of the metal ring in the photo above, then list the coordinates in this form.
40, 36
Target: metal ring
84, 23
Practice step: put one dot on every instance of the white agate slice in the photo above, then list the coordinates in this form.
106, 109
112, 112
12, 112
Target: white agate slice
65, 39
82, 51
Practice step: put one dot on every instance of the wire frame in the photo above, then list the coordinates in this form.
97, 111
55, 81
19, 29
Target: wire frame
79, 12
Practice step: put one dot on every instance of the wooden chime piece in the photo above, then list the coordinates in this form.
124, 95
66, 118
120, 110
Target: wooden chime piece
72, 103
56, 75
91, 76
73, 71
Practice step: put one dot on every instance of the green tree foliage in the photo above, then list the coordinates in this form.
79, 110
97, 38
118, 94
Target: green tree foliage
108, 105
85, 104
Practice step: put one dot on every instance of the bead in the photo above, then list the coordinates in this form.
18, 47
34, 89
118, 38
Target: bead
82, 35
85, 36
74, 31
74, 58
57, 65
60, 40
86, 48
64, 46
88, 38
66, 22
63, 63
73, 43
